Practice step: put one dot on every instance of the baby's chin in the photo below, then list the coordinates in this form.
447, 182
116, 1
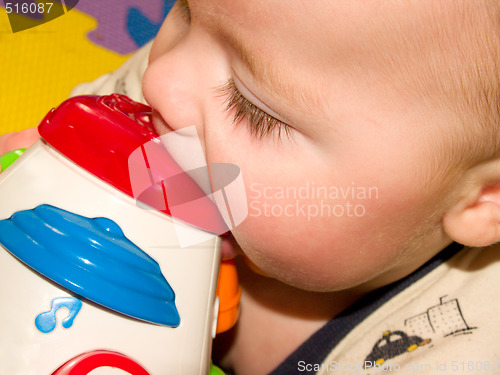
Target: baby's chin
256, 269
305, 277
294, 268
231, 249
265, 268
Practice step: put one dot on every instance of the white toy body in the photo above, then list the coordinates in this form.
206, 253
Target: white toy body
43, 176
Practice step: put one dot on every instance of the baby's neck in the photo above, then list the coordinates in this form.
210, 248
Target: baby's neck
275, 319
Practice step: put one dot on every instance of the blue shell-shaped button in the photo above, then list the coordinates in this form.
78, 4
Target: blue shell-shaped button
92, 258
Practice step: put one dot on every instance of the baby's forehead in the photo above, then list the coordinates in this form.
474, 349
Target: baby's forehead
309, 55
341, 34
427, 45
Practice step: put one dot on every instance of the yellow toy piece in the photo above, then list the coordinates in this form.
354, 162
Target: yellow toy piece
40, 66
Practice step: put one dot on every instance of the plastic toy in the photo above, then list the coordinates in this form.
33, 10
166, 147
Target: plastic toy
92, 281
8, 158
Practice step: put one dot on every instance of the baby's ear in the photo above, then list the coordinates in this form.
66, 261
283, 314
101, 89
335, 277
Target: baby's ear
475, 219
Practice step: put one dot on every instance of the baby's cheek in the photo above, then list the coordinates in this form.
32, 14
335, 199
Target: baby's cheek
288, 238
325, 243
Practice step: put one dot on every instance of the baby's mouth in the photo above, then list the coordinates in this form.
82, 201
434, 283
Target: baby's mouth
159, 123
229, 247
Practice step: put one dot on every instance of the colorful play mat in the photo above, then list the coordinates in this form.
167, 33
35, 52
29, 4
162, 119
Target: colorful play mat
41, 65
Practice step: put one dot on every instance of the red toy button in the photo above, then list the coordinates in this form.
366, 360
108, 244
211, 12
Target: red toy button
101, 133
87, 362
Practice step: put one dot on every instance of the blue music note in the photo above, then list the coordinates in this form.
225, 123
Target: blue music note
46, 322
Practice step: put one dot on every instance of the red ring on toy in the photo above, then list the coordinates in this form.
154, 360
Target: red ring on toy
86, 362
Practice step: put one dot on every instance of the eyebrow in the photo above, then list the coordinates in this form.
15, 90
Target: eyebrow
275, 85
216, 27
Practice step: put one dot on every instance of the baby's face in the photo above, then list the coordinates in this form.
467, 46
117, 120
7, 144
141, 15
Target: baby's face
337, 135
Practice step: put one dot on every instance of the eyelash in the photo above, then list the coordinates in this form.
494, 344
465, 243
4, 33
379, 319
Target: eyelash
261, 123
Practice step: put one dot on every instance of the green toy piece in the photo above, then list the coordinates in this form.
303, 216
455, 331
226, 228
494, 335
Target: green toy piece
214, 370
10, 157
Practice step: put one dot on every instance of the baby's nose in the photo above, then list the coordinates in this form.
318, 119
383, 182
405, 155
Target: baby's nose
171, 91
179, 83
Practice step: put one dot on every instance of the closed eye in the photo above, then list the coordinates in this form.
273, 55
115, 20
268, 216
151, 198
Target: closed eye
260, 123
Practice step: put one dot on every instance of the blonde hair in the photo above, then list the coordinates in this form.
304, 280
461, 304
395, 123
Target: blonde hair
460, 76
469, 77
482, 85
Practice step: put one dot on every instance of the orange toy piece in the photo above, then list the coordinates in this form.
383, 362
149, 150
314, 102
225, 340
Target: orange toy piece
229, 293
